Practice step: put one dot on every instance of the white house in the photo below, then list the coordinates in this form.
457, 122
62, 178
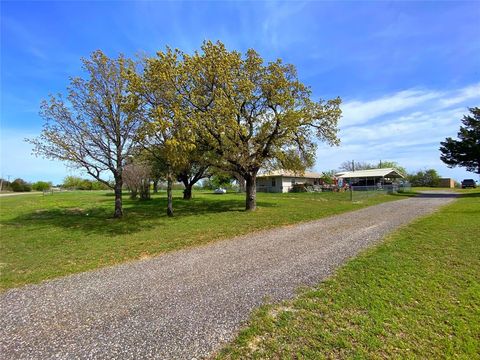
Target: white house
282, 181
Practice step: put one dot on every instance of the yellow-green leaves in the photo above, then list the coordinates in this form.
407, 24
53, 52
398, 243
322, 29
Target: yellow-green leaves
249, 113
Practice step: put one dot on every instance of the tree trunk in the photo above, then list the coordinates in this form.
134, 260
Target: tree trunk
133, 194
251, 188
241, 182
187, 193
145, 190
155, 186
169, 196
118, 198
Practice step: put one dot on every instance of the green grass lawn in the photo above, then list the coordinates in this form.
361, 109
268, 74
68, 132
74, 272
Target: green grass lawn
43, 237
416, 296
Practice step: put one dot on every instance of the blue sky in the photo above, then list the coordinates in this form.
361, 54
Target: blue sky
406, 71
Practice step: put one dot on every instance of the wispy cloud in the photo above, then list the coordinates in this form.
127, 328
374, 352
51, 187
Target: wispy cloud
358, 112
279, 26
31, 43
406, 127
462, 95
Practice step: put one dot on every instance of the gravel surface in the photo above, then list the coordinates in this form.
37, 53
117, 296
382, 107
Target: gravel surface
186, 304
20, 193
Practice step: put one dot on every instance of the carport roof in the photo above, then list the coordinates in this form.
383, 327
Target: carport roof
390, 173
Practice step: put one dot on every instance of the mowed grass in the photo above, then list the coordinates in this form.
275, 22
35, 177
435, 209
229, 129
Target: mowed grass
43, 237
415, 296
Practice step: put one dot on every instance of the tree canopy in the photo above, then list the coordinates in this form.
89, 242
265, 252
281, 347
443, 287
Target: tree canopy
95, 127
248, 114
213, 108
427, 177
165, 133
465, 151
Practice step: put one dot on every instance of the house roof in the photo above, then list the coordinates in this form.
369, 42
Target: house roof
390, 173
298, 174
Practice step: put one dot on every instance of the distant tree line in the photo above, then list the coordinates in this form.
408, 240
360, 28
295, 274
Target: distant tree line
69, 183
184, 117
20, 185
78, 183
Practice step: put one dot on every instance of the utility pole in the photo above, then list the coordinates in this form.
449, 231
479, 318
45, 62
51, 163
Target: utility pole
1, 182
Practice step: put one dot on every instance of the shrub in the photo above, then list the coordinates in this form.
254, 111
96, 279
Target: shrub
219, 181
77, 183
299, 188
41, 185
20, 185
428, 177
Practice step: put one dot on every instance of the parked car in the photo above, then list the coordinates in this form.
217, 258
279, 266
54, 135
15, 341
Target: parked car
220, 191
468, 183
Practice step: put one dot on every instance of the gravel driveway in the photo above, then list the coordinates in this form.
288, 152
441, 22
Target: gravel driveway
185, 304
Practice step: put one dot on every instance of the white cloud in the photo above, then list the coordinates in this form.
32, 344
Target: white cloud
406, 127
462, 95
358, 112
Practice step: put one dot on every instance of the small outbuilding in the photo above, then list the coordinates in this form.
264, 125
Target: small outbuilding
371, 177
282, 181
447, 183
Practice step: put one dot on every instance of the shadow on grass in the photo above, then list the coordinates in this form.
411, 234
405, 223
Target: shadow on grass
404, 194
138, 215
438, 195
470, 195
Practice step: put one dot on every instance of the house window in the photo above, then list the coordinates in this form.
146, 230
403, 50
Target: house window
274, 183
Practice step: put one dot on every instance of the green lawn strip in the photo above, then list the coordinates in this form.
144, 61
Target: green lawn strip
416, 295
43, 237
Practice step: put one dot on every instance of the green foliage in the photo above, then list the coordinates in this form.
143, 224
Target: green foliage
165, 132
242, 113
73, 182
49, 236
429, 178
98, 185
393, 164
78, 183
328, 176
95, 127
42, 185
299, 188
213, 107
465, 151
20, 185
219, 180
